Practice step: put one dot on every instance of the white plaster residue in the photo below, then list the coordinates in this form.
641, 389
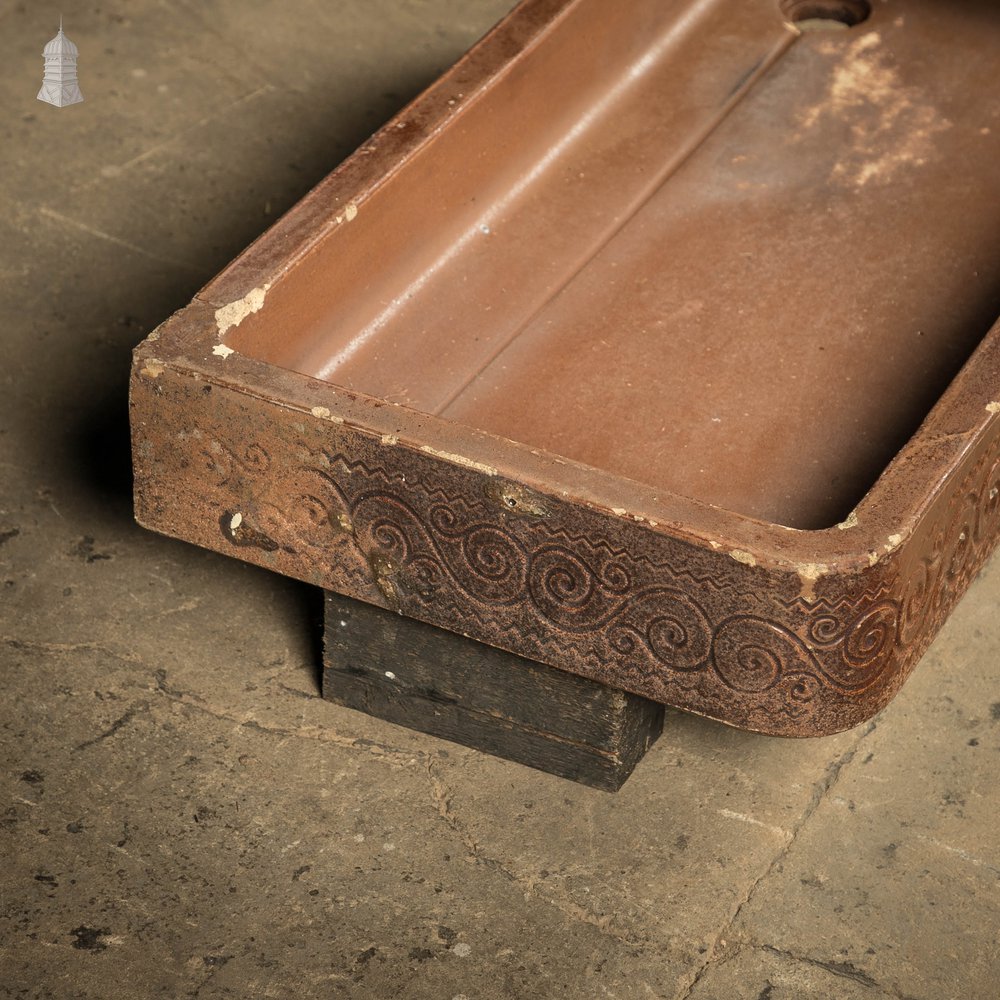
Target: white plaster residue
873, 557
894, 542
220, 350
462, 949
235, 521
324, 414
851, 521
460, 460
390, 675
152, 368
746, 558
389, 439
350, 213
715, 545
810, 571
234, 313
993, 407
619, 511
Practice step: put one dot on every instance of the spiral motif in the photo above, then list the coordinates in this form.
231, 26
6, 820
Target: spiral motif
960, 553
391, 538
804, 689
667, 637
567, 589
224, 461
939, 589
865, 652
871, 635
564, 588
310, 513
624, 639
752, 655
667, 625
300, 525
490, 554
444, 520
962, 547
916, 599
427, 576
534, 577
679, 638
481, 560
759, 667
825, 630
566, 584
797, 696
989, 506
485, 561
616, 578
561, 582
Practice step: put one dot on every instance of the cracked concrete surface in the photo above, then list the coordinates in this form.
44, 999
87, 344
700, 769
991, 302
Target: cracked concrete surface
182, 816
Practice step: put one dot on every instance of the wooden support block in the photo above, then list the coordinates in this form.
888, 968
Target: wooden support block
440, 683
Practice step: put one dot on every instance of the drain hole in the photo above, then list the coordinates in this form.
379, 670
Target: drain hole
819, 15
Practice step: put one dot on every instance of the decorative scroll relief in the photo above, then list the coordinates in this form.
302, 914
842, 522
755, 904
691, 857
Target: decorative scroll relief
622, 613
858, 636
959, 540
453, 552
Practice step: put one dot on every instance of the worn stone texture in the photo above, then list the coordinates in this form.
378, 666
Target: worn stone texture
183, 816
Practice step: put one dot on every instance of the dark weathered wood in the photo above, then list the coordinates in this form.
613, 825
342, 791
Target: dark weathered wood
443, 684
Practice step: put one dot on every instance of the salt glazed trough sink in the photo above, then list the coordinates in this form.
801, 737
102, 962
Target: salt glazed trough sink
654, 342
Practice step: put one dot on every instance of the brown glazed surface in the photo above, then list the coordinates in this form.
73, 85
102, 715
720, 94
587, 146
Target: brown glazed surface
654, 347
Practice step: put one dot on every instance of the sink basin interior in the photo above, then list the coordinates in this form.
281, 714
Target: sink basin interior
684, 244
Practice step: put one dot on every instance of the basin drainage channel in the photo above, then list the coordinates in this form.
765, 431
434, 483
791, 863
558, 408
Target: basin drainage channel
673, 164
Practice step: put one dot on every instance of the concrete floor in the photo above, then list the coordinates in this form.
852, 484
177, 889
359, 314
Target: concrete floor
182, 816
